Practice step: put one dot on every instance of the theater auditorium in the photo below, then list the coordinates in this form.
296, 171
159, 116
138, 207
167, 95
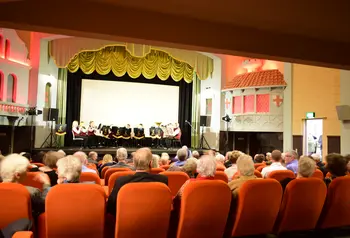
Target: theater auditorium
154, 119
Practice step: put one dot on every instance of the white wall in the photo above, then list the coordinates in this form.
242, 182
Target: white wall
48, 73
211, 88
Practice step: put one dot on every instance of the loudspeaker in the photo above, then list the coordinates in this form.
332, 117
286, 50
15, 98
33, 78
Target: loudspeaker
205, 121
343, 112
50, 114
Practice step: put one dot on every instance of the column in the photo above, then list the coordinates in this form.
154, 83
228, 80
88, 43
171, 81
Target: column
344, 100
288, 108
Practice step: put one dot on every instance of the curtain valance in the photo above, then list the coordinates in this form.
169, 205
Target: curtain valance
120, 61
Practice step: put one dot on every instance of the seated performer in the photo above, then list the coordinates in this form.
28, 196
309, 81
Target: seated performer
139, 133
92, 131
77, 132
83, 129
156, 134
177, 131
127, 132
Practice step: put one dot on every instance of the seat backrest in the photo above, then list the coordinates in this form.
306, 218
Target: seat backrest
260, 168
257, 165
263, 216
220, 175
209, 222
301, 206
145, 205
318, 174
75, 210
90, 177
175, 180
91, 166
39, 164
279, 175
165, 167
156, 170
104, 170
257, 174
14, 203
115, 176
336, 209
30, 181
111, 171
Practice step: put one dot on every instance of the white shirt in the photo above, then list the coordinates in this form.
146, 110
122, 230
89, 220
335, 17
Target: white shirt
231, 171
273, 167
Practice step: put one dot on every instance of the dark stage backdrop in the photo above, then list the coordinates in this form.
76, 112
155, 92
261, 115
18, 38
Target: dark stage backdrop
74, 82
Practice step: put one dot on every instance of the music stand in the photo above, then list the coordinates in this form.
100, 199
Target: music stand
60, 130
204, 122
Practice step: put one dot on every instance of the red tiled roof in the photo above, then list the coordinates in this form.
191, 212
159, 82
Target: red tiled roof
263, 78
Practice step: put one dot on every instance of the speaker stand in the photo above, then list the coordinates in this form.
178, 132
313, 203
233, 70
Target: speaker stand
204, 140
51, 139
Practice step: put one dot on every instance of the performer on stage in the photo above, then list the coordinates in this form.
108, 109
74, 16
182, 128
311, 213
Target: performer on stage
77, 132
177, 131
92, 131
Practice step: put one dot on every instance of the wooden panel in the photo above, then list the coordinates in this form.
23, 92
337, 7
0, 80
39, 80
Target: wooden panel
298, 143
333, 144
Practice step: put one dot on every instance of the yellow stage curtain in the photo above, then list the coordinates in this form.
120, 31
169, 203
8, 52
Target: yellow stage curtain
118, 60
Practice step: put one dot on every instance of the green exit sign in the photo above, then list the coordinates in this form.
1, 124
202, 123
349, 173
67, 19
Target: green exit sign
310, 115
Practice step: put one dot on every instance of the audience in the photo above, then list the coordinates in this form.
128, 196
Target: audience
336, 165
122, 155
259, 158
321, 166
155, 161
181, 156
69, 169
306, 168
143, 164
50, 160
206, 167
38, 158
245, 167
92, 158
164, 159
276, 157
291, 160
220, 160
233, 157
228, 162
195, 154
190, 167
268, 158
14, 170
107, 160
83, 159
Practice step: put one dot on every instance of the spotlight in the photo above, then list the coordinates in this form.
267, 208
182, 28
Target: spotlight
226, 118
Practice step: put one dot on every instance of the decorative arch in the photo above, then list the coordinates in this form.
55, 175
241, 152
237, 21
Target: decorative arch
2, 79
7, 48
11, 88
48, 95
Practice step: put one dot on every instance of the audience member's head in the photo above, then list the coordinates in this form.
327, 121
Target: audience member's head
107, 158
211, 153
182, 154
336, 164
14, 168
245, 165
69, 169
347, 157
259, 158
306, 167
206, 166
316, 157
93, 155
51, 158
290, 156
1, 158
122, 154
143, 159
190, 167
164, 159
155, 161
268, 156
62, 152
220, 159
82, 156
26, 155
234, 155
195, 154
276, 156
228, 155
38, 158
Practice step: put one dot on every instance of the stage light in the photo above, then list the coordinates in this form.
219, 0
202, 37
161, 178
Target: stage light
226, 118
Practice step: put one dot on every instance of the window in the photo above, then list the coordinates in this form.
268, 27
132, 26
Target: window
237, 104
11, 88
248, 103
262, 103
48, 95
7, 49
208, 103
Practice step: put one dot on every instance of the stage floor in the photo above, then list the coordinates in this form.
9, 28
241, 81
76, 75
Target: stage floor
109, 150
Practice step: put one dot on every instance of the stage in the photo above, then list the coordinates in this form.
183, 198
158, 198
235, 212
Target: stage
111, 150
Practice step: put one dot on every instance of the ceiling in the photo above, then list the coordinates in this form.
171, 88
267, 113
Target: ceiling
311, 32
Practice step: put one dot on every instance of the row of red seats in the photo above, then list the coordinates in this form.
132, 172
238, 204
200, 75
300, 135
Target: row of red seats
144, 209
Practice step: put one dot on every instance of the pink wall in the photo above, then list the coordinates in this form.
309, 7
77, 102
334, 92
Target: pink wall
232, 66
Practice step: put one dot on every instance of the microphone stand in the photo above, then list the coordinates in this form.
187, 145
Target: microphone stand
192, 128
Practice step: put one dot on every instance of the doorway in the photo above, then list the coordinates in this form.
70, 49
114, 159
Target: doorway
313, 131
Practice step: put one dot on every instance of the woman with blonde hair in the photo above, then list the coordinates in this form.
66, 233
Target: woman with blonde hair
155, 161
78, 132
107, 160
